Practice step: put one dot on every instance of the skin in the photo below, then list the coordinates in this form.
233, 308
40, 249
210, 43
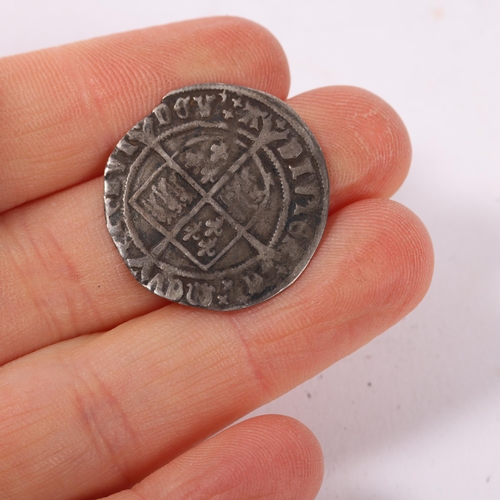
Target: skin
105, 388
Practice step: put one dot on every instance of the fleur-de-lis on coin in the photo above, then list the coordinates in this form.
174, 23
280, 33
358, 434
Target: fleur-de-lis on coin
214, 226
207, 247
191, 231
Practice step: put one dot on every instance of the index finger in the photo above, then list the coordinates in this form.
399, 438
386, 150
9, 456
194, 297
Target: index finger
63, 109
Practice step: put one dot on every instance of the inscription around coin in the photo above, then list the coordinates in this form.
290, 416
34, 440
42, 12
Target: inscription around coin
218, 198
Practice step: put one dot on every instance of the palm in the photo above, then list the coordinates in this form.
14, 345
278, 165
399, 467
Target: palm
102, 383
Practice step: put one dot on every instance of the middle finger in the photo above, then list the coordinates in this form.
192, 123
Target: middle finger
65, 278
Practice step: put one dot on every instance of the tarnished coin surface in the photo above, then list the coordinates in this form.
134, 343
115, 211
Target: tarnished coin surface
217, 199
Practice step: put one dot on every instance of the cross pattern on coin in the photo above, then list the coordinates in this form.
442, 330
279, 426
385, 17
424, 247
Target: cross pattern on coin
218, 198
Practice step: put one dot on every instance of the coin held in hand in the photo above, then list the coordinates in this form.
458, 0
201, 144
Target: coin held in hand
218, 198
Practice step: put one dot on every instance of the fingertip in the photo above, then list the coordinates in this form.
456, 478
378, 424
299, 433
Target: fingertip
225, 49
303, 450
365, 142
413, 249
391, 248
264, 58
269, 457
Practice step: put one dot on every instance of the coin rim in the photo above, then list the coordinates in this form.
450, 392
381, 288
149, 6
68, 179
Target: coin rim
294, 120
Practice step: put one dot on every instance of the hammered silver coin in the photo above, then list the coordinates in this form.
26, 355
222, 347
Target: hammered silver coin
217, 199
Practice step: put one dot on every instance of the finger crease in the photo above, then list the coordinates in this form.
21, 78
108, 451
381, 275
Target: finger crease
251, 361
104, 420
60, 301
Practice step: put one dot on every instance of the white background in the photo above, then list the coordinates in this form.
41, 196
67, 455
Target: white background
416, 413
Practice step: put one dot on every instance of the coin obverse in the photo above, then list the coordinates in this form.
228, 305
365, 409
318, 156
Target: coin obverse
219, 198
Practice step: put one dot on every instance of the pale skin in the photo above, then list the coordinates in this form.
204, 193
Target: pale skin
106, 389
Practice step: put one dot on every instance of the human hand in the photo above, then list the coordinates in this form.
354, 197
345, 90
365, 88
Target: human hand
102, 382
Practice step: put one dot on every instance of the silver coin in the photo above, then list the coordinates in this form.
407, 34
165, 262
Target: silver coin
217, 199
